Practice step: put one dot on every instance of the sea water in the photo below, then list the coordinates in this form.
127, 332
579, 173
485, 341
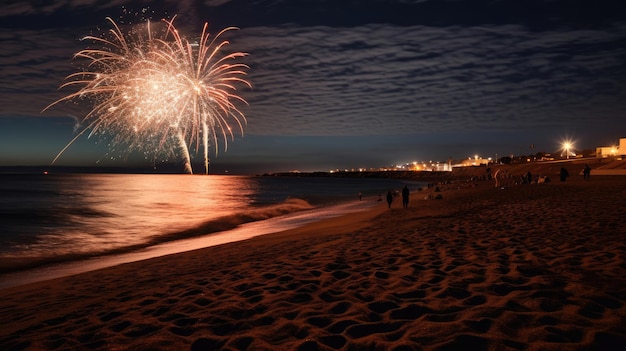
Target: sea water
61, 218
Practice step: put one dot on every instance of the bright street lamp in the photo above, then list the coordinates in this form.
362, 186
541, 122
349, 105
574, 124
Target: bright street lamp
567, 146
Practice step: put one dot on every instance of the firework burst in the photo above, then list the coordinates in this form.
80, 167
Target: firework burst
156, 91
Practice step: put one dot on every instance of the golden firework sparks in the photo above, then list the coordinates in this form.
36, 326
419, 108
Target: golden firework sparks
156, 90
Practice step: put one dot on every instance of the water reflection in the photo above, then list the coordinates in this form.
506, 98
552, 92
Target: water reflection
58, 218
98, 213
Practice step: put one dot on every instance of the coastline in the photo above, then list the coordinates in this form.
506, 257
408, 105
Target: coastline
533, 267
241, 232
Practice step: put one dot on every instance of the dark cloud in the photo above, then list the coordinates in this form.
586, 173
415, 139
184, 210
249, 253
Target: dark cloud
33, 64
535, 14
381, 79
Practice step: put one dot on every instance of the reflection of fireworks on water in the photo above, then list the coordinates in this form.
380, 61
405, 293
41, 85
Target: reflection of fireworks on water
156, 91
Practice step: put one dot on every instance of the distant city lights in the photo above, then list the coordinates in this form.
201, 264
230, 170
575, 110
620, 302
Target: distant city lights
567, 147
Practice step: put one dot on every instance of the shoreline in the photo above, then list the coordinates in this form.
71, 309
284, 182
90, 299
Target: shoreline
527, 267
243, 231
44, 230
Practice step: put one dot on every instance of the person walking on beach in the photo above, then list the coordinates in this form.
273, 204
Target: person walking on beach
405, 197
564, 174
360, 196
389, 198
495, 177
586, 172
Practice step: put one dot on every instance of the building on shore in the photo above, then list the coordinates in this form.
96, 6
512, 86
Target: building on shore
475, 161
618, 150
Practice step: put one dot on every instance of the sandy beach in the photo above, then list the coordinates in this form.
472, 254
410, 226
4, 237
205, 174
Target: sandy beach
524, 267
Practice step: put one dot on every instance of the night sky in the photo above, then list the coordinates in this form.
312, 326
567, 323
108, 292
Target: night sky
347, 84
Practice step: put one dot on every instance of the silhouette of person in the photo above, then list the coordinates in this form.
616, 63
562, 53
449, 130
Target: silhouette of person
389, 198
405, 197
564, 174
495, 177
360, 196
586, 172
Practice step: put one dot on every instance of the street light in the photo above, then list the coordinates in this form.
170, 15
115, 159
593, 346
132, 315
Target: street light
567, 146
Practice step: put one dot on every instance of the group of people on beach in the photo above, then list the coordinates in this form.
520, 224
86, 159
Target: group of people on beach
391, 195
405, 197
527, 178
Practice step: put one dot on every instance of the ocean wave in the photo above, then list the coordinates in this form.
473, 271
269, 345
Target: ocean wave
22, 222
234, 220
219, 224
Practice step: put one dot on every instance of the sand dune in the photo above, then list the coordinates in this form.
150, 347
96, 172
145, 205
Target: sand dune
527, 267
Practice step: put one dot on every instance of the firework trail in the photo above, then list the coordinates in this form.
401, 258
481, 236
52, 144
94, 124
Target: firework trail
156, 91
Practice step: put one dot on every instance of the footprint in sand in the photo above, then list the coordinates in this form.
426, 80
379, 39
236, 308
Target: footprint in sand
340, 326
139, 330
362, 330
203, 344
382, 306
319, 322
481, 326
110, 315
333, 341
340, 308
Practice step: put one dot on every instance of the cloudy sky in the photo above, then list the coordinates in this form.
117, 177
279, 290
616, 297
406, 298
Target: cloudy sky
343, 84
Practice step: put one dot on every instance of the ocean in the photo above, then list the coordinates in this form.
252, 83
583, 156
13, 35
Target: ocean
77, 221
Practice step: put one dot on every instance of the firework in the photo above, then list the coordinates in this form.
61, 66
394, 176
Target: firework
156, 91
